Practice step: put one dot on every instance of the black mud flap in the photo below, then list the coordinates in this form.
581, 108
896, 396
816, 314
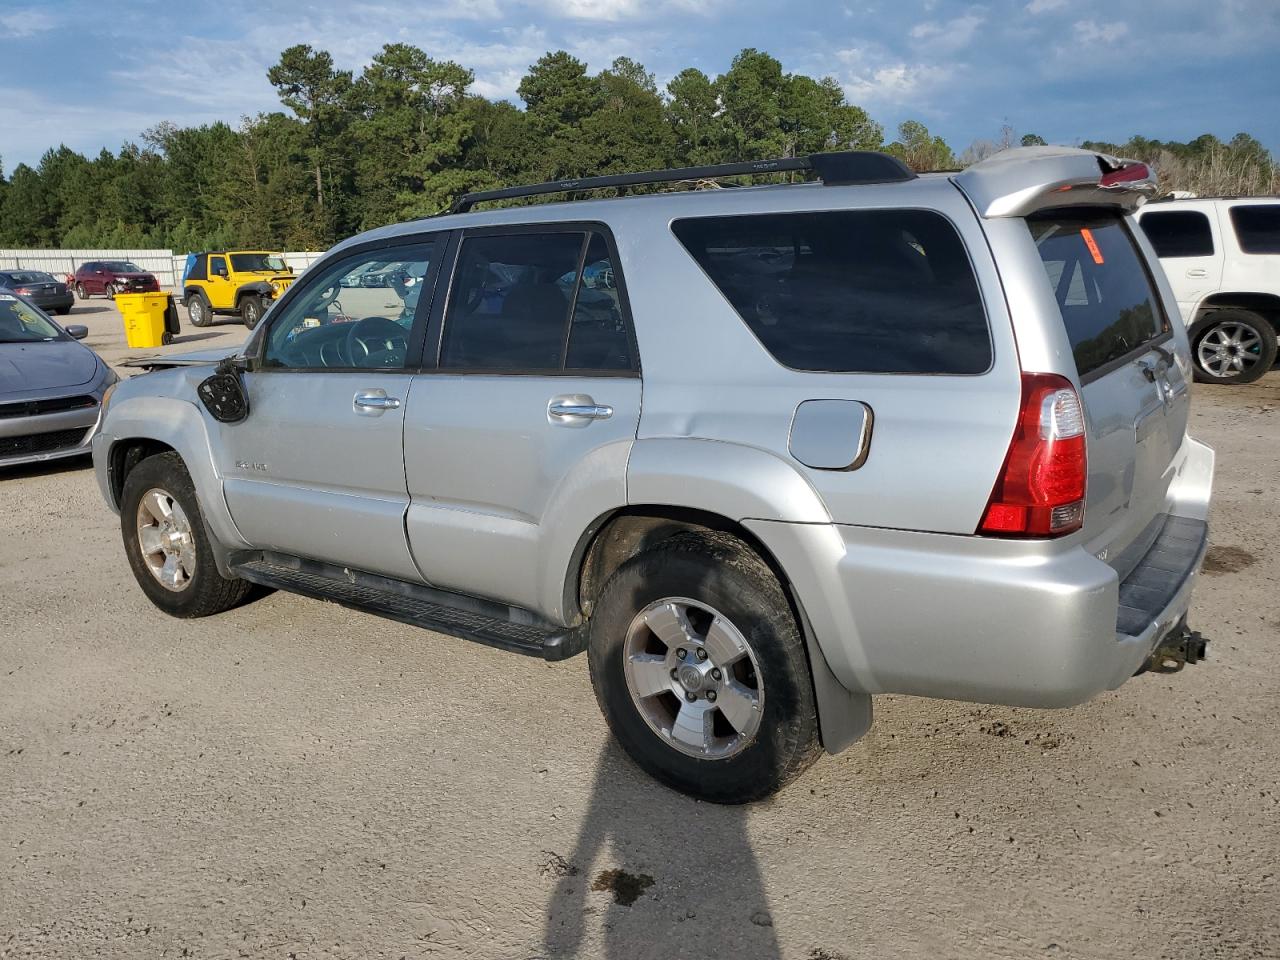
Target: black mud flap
223, 394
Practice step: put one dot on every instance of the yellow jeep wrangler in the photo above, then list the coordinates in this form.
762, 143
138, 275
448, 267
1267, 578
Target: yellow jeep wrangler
241, 282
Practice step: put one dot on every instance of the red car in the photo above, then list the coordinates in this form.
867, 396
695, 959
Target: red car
109, 277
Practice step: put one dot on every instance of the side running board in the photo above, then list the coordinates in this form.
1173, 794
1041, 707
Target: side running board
493, 624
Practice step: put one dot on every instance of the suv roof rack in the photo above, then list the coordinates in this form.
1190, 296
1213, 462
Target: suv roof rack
839, 168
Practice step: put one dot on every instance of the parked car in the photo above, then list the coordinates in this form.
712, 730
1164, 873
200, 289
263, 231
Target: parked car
51, 387
109, 277
1222, 256
40, 288
884, 447
240, 282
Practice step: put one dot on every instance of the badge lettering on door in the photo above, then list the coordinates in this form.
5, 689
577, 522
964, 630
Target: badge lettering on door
250, 465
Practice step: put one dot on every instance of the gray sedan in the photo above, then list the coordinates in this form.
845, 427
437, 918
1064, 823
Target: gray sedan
51, 387
44, 290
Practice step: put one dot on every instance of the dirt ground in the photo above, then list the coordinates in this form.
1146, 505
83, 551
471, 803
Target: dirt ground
293, 779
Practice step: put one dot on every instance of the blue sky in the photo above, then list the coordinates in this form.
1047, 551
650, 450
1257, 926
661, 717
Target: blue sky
94, 74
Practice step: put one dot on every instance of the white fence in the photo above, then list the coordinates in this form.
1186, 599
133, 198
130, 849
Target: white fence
165, 264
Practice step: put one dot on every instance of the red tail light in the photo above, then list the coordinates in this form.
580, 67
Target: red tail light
1129, 173
25, 291
1040, 490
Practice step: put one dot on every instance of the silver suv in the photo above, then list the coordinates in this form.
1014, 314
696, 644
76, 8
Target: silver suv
762, 452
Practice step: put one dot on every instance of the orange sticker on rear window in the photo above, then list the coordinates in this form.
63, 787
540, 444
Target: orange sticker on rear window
1091, 243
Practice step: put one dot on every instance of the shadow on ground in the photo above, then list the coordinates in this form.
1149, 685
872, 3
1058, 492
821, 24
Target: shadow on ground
680, 875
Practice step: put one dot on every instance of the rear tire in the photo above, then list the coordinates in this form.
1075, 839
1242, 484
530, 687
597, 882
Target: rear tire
251, 310
749, 725
172, 561
80, 292
1233, 346
198, 310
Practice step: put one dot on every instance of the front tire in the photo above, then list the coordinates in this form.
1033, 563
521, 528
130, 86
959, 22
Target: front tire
734, 718
1233, 346
251, 310
166, 542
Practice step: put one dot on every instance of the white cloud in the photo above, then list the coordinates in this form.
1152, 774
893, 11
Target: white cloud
948, 36
617, 10
25, 22
872, 76
1036, 7
1090, 31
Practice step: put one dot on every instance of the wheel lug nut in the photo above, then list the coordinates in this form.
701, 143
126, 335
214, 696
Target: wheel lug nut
711, 695
702, 654
682, 653
691, 696
715, 673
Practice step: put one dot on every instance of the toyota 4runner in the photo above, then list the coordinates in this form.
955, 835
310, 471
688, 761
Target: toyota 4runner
239, 282
761, 452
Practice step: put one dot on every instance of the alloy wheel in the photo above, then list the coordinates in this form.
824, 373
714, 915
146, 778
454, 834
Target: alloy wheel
694, 678
165, 540
1229, 348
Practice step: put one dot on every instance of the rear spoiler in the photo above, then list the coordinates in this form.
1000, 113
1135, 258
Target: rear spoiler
1019, 182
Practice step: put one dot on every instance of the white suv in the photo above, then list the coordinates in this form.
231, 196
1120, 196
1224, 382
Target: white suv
1223, 261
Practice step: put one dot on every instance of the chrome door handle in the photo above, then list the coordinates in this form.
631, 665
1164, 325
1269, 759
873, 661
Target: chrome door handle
578, 408
375, 401
1197, 273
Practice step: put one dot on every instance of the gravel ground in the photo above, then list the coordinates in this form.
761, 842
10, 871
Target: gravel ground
293, 779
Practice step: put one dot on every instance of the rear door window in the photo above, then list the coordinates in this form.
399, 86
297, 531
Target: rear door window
853, 291
1178, 233
1257, 227
1104, 292
536, 303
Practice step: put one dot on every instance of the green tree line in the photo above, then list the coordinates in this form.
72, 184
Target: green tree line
402, 138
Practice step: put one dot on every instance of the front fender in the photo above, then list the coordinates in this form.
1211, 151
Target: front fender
177, 423
729, 479
258, 288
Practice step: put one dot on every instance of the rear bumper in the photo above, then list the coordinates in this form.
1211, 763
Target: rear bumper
993, 621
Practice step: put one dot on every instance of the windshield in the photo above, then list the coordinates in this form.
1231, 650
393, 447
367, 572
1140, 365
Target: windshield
251, 262
20, 323
122, 266
17, 277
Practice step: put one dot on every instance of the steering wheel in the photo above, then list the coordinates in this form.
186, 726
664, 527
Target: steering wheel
376, 335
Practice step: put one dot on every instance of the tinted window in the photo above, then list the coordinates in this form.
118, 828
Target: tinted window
1101, 285
1257, 227
509, 309
598, 336
1179, 233
875, 291
338, 322
218, 266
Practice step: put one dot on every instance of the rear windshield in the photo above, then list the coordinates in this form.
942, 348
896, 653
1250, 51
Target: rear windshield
1257, 227
867, 291
1101, 284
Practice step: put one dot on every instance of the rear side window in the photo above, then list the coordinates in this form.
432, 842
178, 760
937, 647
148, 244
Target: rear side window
1104, 292
1179, 233
536, 303
1257, 227
865, 291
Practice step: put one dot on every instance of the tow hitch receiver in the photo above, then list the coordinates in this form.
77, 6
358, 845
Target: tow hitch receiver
1181, 646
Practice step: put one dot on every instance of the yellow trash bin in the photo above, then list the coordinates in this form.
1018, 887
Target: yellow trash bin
143, 318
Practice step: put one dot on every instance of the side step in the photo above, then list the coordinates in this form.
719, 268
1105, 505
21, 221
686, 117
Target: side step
493, 624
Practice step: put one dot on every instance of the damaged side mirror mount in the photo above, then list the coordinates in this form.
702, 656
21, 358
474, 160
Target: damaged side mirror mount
223, 394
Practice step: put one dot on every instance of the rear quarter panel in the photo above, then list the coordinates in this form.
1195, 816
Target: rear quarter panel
938, 441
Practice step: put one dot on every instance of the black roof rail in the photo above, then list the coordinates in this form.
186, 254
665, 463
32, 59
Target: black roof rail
834, 169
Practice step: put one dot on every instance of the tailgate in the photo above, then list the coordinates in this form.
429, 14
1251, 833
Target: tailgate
1131, 366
